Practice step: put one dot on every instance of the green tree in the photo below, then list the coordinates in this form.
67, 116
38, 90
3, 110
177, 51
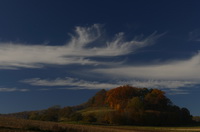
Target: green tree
115, 117
186, 118
51, 114
65, 112
76, 117
135, 111
135, 104
90, 118
34, 115
156, 100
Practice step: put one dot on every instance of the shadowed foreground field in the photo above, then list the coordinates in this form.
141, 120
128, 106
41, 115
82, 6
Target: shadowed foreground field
8, 124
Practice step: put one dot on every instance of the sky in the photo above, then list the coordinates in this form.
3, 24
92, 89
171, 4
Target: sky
61, 52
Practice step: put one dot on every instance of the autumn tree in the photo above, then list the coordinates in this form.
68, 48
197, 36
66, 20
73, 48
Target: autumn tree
51, 114
156, 100
119, 97
65, 113
131, 105
98, 99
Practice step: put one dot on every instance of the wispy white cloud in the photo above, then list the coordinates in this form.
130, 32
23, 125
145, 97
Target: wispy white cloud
82, 49
171, 70
78, 50
176, 91
173, 87
12, 90
70, 82
172, 75
160, 84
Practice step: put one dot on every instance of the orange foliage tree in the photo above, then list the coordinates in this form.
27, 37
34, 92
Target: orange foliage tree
119, 97
156, 100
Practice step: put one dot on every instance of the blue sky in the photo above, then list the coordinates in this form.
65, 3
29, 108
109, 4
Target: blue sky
62, 52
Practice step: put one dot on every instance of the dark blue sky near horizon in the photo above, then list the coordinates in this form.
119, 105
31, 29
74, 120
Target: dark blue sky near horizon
63, 52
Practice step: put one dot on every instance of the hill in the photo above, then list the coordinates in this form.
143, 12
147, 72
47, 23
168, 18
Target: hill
124, 105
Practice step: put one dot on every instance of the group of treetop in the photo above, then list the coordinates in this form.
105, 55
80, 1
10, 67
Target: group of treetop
127, 106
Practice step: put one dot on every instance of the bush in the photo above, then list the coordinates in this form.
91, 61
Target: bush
90, 118
76, 117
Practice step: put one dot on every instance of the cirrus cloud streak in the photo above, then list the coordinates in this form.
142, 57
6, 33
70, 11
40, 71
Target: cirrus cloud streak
70, 82
79, 50
74, 83
3, 89
172, 70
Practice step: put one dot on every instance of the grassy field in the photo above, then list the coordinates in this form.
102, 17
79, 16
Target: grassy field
8, 124
95, 110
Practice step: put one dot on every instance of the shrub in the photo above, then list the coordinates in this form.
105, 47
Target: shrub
90, 118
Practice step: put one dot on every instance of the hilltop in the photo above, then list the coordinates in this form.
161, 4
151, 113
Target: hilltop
124, 105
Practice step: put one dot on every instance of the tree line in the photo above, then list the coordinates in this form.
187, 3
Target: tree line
142, 106
128, 106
